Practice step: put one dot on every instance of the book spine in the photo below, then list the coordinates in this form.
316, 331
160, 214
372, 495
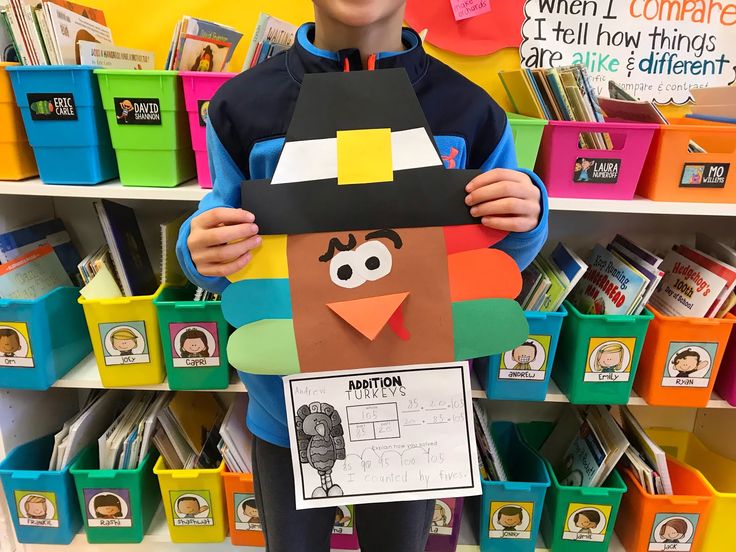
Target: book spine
556, 85
257, 35
29, 28
43, 34
15, 31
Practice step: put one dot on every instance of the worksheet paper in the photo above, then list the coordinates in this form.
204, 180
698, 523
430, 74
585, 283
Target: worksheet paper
382, 435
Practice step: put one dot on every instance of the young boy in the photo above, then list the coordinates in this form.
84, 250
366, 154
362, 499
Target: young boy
248, 119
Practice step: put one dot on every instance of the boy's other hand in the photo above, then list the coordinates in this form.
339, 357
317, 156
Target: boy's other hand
220, 241
504, 199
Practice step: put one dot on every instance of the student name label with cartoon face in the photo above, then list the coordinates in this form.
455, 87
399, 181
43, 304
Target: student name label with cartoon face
673, 532
194, 345
511, 520
528, 361
443, 517
609, 359
344, 516
124, 343
108, 508
36, 509
247, 517
15, 345
586, 522
191, 508
203, 107
689, 364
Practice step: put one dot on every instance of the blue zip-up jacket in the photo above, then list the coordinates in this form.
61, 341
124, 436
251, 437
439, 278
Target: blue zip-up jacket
248, 119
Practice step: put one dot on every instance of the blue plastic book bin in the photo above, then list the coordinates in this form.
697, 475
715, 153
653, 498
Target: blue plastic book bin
65, 122
523, 373
521, 499
43, 504
41, 339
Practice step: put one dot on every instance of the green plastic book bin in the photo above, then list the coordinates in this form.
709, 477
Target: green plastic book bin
527, 132
117, 505
575, 519
148, 126
194, 337
598, 354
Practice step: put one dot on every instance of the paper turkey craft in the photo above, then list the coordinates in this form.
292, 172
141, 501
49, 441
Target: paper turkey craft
370, 256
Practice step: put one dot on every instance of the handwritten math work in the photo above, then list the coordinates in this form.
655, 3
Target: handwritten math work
382, 435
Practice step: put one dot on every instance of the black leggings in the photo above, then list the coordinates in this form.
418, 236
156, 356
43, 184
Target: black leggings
394, 527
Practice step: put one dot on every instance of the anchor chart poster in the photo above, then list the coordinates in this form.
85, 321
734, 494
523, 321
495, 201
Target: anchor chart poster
655, 49
382, 435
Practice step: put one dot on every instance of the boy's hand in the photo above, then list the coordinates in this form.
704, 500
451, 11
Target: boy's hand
220, 241
505, 200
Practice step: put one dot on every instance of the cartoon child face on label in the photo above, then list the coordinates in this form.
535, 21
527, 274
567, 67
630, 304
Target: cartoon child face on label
586, 522
510, 520
190, 507
439, 517
194, 344
9, 342
609, 360
676, 530
15, 348
689, 364
36, 509
124, 343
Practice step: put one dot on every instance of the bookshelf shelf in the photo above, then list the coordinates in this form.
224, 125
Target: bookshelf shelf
190, 191
86, 376
158, 534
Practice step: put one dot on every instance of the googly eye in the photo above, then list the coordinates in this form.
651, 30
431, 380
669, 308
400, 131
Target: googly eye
374, 260
345, 270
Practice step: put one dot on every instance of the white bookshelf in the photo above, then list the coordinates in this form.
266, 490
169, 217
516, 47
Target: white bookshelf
191, 192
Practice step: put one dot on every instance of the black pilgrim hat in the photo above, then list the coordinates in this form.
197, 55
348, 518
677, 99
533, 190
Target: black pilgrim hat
358, 154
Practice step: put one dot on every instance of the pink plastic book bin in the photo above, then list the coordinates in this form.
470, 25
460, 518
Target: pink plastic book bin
726, 382
570, 171
199, 88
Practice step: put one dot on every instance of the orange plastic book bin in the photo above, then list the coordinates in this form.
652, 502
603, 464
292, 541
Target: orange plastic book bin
681, 358
654, 522
239, 492
672, 173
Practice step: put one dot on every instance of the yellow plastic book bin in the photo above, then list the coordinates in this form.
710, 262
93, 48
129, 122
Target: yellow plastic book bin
16, 155
126, 340
194, 502
720, 474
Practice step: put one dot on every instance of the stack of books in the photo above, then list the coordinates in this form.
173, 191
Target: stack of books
714, 104
199, 45
620, 279
36, 259
559, 94
489, 459
550, 278
272, 36
698, 282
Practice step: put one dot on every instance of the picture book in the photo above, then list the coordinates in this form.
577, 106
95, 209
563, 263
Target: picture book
725, 271
723, 253
271, 36
583, 460
194, 416
645, 255
9, 50
70, 28
549, 279
653, 274
559, 285
646, 448
531, 277
568, 262
236, 437
488, 450
128, 252
14, 243
521, 94
687, 289
200, 45
109, 56
32, 275
610, 285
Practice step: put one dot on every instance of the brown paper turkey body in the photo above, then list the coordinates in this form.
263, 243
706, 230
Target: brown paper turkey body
370, 256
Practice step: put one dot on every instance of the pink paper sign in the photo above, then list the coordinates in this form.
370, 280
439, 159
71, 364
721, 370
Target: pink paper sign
465, 9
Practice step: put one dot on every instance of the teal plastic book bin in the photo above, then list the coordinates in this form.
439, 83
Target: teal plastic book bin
523, 373
117, 505
194, 338
43, 504
66, 125
41, 339
511, 511
598, 355
575, 519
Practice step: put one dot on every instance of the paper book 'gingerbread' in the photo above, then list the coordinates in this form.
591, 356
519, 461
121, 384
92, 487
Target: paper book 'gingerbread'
370, 256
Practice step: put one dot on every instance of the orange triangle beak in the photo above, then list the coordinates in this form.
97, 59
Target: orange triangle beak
369, 316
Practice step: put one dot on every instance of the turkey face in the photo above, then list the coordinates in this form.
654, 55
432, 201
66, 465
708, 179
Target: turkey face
371, 290
317, 424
